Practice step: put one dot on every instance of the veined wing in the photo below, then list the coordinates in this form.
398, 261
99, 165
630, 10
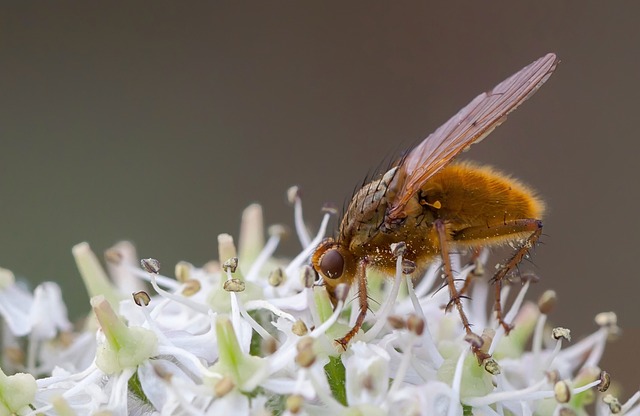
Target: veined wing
470, 125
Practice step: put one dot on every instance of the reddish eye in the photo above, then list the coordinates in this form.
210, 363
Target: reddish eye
332, 264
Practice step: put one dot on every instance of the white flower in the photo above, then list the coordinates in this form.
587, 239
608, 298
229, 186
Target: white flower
252, 334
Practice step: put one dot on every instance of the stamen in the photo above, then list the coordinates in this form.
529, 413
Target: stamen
386, 308
263, 304
457, 382
515, 308
265, 254
429, 278
164, 281
629, 403
255, 325
198, 307
405, 362
329, 322
294, 197
304, 255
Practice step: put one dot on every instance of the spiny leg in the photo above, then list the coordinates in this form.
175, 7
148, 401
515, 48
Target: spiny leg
363, 303
469, 279
513, 262
454, 295
502, 232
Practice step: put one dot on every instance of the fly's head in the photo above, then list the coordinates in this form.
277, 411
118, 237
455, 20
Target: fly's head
335, 264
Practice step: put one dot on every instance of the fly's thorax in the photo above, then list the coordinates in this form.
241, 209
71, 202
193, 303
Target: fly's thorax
367, 209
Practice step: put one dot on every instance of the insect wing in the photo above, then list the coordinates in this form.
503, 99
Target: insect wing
470, 125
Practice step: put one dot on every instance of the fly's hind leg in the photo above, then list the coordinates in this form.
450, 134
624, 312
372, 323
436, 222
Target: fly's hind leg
507, 231
474, 273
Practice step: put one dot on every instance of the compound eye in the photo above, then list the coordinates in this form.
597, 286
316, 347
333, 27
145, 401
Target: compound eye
332, 264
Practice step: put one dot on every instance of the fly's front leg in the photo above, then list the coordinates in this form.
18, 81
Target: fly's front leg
507, 231
363, 303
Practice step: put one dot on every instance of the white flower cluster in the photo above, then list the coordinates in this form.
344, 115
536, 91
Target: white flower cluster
251, 334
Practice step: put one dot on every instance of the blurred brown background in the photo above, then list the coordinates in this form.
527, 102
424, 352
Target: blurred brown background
158, 122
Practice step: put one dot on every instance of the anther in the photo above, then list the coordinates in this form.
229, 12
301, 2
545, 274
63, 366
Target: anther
141, 298
276, 277
150, 265
183, 271
308, 276
396, 322
605, 382
191, 287
415, 324
234, 285
613, 403
329, 208
223, 387
398, 249
560, 332
408, 266
562, 392
230, 265
293, 193
294, 403
299, 328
